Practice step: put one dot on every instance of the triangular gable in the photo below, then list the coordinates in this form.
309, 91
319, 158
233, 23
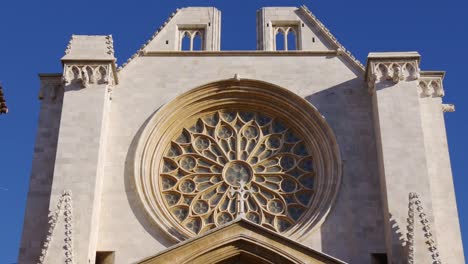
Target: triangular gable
240, 239
331, 39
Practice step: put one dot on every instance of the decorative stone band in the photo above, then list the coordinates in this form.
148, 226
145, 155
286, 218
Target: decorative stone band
394, 71
88, 74
415, 207
64, 206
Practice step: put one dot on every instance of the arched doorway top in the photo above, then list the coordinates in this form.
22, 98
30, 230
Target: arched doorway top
244, 241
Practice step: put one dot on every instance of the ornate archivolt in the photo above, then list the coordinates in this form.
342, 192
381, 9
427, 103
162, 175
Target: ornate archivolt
237, 149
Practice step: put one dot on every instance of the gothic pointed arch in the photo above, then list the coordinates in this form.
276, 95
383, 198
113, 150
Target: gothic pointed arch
237, 149
241, 241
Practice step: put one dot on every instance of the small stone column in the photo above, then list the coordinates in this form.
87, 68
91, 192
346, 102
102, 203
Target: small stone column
393, 84
88, 78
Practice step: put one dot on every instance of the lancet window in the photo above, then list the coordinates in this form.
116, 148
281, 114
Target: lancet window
285, 37
191, 39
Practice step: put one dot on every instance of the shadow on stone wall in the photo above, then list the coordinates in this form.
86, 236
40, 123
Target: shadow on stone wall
132, 195
354, 228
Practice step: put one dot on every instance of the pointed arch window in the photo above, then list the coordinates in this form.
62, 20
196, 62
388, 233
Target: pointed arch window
286, 38
191, 39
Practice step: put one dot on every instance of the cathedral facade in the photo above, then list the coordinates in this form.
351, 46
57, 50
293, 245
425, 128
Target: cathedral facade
292, 153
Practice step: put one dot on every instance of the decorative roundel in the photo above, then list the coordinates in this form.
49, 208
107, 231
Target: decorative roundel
232, 150
233, 164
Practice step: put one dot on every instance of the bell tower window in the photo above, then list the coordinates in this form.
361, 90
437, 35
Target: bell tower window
191, 39
286, 37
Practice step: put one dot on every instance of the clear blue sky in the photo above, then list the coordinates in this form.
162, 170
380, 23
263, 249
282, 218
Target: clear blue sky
34, 34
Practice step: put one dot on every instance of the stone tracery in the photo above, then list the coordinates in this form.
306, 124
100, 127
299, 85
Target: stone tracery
237, 164
207, 146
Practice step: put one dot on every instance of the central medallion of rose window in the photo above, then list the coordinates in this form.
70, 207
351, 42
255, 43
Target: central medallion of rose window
237, 173
230, 165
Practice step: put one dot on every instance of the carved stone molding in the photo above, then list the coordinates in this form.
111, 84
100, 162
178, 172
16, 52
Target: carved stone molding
448, 108
64, 206
87, 74
393, 71
415, 208
431, 85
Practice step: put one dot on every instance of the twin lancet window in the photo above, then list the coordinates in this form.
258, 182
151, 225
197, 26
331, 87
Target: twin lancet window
286, 38
191, 39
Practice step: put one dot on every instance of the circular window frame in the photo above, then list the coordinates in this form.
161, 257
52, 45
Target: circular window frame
248, 95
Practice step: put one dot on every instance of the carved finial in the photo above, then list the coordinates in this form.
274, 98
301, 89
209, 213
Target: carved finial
237, 77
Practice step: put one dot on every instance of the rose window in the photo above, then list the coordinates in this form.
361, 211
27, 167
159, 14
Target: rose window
233, 164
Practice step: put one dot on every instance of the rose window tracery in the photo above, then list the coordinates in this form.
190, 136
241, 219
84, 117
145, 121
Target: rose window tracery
236, 164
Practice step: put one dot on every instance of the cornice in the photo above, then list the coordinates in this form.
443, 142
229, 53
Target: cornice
89, 73
238, 53
431, 84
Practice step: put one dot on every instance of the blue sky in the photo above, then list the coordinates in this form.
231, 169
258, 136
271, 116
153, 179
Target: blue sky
34, 35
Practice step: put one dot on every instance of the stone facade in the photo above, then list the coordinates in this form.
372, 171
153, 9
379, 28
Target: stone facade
382, 176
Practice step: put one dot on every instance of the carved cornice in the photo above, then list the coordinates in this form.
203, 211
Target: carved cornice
87, 74
391, 70
431, 84
64, 205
